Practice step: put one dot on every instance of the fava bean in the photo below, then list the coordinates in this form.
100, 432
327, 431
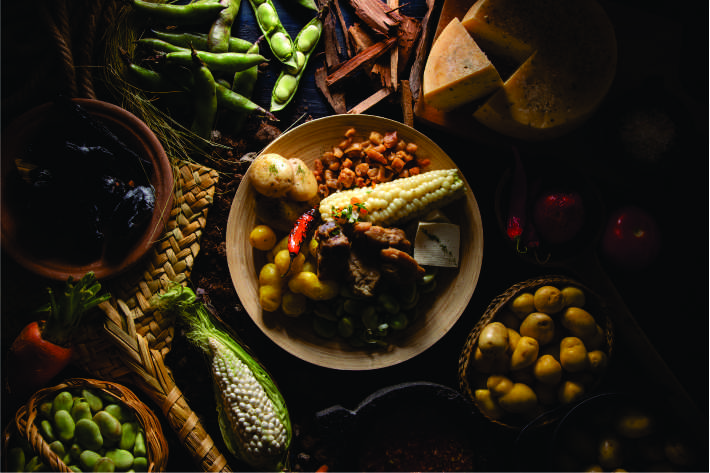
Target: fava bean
16, 459
64, 426
123, 459
128, 435
221, 29
284, 89
81, 409
105, 464
140, 464
95, 402
178, 14
218, 62
199, 41
243, 84
324, 328
88, 434
57, 447
238, 103
369, 318
398, 321
205, 98
109, 426
47, 430
62, 402
120, 412
346, 328
75, 451
45, 410
281, 45
388, 303
308, 38
88, 459
139, 448
267, 17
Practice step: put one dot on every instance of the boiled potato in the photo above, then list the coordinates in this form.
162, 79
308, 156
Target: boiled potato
305, 186
493, 339
269, 275
573, 296
270, 297
513, 339
484, 400
287, 267
570, 391
548, 299
548, 370
597, 361
520, 399
573, 354
308, 284
262, 237
525, 353
271, 175
579, 322
539, 326
499, 385
523, 304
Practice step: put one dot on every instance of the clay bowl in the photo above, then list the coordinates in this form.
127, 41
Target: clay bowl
27, 244
455, 286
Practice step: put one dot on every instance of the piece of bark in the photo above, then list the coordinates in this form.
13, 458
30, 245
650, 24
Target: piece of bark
330, 40
427, 30
364, 58
394, 54
375, 15
335, 99
408, 32
405, 93
343, 26
371, 101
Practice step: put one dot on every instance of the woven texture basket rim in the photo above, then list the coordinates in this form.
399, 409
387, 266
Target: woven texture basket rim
493, 309
24, 422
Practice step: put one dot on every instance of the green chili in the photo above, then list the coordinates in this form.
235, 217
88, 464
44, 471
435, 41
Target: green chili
287, 81
221, 29
199, 41
217, 62
176, 14
205, 98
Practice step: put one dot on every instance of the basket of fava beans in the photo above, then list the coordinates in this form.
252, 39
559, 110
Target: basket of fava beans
542, 345
85, 425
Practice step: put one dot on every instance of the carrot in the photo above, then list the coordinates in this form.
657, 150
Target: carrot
43, 347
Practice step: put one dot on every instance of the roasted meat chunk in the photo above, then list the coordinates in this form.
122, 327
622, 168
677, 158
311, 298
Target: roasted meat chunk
363, 274
380, 237
400, 266
333, 251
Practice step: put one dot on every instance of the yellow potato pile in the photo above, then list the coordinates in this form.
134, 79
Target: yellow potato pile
543, 349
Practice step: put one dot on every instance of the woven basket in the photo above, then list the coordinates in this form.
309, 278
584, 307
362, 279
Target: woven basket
25, 427
470, 379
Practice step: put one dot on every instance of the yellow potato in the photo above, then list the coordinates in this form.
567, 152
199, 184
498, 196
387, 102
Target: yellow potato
570, 391
548, 370
498, 384
493, 338
519, 400
573, 296
490, 363
634, 424
271, 175
610, 453
487, 404
262, 237
309, 285
305, 186
597, 361
548, 299
282, 244
523, 304
310, 266
269, 275
285, 266
539, 326
579, 322
513, 339
573, 354
525, 353
270, 297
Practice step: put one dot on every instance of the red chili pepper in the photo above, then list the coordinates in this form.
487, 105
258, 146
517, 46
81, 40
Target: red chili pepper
299, 232
517, 203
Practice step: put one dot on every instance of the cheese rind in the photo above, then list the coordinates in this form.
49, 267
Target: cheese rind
457, 71
568, 72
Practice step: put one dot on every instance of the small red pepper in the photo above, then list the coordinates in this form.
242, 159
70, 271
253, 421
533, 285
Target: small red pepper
517, 207
299, 232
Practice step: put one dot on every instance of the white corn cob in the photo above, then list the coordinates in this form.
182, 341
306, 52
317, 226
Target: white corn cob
249, 410
393, 202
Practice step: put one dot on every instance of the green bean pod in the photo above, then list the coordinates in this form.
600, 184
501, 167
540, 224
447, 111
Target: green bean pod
199, 41
177, 14
221, 29
238, 103
243, 84
156, 44
217, 62
287, 82
205, 98
275, 33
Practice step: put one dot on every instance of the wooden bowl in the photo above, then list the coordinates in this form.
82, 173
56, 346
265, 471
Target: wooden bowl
454, 289
30, 252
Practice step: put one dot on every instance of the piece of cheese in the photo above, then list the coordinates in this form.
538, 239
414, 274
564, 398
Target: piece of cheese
437, 244
567, 50
457, 71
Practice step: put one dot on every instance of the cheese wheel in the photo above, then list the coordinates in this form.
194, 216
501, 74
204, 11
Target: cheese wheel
567, 51
457, 71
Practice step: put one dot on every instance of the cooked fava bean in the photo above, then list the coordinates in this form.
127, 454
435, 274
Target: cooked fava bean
88, 434
105, 465
62, 402
81, 409
122, 458
120, 412
293, 304
47, 430
64, 425
139, 448
140, 464
324, 328
88, 459
346, 327
109, 426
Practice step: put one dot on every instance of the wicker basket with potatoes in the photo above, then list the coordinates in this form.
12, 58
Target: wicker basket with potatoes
542, 344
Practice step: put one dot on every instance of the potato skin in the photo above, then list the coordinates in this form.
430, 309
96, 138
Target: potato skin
305, 185
272, 175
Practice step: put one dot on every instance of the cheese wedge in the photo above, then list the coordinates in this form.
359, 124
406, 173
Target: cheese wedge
567, 51
457, 71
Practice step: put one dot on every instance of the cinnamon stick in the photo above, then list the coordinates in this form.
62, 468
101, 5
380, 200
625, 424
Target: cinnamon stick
363, 58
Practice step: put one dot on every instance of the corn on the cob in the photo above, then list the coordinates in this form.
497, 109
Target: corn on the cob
253, 417
391, 203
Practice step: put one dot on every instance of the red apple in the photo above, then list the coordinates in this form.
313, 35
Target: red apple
558, 215
631, 239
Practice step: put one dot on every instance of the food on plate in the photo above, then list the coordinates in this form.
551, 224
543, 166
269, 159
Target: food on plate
271, 175
253, 417
305, 186
457, 71
262, 237
44, 347
394, 202
631, 239
558, 215
360, 162
567, 55
542, 353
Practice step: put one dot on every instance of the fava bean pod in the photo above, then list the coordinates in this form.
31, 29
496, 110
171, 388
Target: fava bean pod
199, 41
276, 36
221, 29
177, 14
205, 98
289, 78
243, 83
217, 62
